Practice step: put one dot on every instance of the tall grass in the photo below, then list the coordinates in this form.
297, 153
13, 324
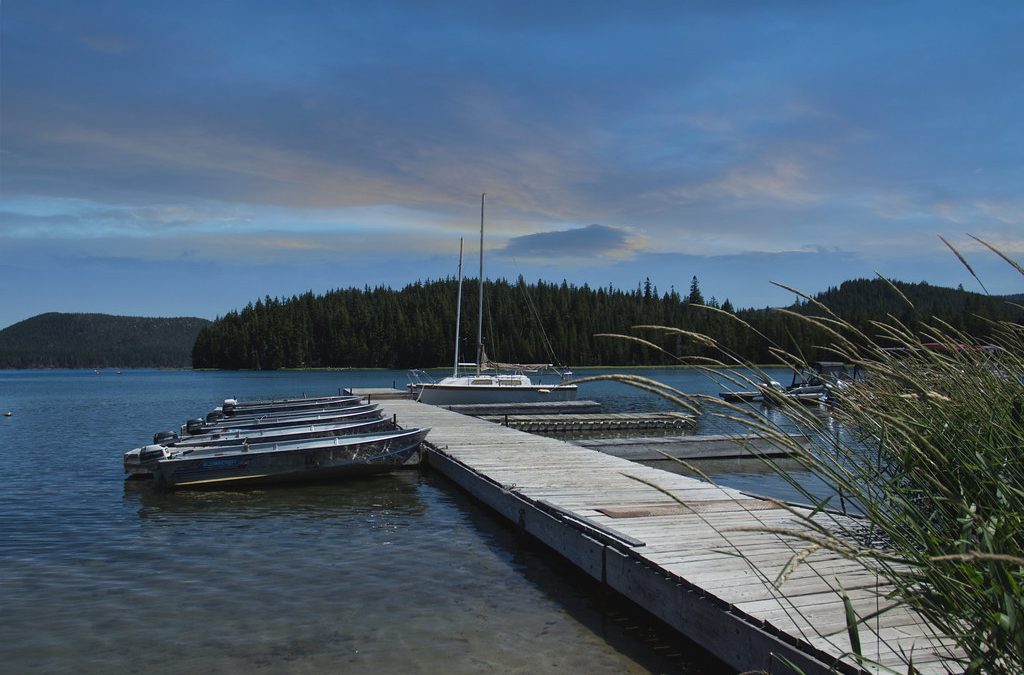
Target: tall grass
939, 473
934, 459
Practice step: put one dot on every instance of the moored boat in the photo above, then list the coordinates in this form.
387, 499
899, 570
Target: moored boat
234, 408
350, 413
511, 386
133, 467
741, 396
490, 388
294, 399
812, 386
264, 463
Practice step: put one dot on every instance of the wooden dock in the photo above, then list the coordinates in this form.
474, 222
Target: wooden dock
654, 448
688, 565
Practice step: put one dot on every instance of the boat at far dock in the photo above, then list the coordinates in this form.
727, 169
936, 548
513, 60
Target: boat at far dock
812, 386
490, 382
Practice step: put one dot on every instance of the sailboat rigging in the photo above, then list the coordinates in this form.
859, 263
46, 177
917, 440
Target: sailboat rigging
458, 314
482, 387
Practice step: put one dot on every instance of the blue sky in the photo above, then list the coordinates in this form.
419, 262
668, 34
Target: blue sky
185, 158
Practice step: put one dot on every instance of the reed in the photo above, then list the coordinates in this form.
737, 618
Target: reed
936, 465
933, 457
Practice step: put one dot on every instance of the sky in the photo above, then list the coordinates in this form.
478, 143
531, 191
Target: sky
187, 158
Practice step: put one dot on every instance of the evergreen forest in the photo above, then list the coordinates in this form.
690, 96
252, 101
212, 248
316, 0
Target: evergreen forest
414, 327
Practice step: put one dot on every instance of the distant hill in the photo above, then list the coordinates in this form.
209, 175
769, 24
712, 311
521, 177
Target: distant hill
861, 300
57, 340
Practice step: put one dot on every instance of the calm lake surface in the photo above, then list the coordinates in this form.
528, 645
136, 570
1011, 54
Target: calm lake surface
398, 573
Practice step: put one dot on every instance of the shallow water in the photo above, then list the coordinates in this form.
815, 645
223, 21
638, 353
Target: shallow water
395, 573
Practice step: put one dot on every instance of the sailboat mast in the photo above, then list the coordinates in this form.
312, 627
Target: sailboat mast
458, 314
480, 316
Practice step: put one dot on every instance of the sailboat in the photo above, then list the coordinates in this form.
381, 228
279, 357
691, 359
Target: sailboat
488, 382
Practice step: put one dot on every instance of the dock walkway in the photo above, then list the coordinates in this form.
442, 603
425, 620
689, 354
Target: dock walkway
696, 564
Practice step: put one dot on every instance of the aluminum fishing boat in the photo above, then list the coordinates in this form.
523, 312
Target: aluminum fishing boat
234, 408
215, 424
133, 464
245, 465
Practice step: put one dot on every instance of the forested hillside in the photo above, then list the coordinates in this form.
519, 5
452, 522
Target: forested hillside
57, 340
544, 322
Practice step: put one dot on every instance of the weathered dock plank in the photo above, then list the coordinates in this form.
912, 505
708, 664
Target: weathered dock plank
653, 448
699, 568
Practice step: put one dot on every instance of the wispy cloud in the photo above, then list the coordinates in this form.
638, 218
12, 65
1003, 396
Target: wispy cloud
585, 242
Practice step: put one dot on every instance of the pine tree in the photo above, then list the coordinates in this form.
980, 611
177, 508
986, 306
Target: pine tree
695, 297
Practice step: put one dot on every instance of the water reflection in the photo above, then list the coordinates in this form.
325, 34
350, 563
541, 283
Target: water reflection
395, 492
644, 639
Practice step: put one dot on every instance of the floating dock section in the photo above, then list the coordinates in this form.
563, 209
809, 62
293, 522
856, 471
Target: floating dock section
536, 408
581, 422
379, 393
703, 560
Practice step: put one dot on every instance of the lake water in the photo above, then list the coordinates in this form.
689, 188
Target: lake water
398, 573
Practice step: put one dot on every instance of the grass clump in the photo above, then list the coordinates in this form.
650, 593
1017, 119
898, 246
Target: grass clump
932, 454
937, 468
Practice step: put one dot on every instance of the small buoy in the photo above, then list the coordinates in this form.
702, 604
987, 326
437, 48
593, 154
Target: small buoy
8, 414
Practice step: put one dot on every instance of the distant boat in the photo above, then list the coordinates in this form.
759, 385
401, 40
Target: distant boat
245, 465
811, 386
741, 396
511, 386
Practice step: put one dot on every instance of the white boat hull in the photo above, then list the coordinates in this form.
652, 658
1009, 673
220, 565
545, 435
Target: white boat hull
446, 394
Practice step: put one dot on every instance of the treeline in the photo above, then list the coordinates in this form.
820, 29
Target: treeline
61, 340
414, 327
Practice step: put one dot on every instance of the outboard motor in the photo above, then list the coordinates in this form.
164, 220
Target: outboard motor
215, 416
152, 452
229, 406
164, 437
195, 425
